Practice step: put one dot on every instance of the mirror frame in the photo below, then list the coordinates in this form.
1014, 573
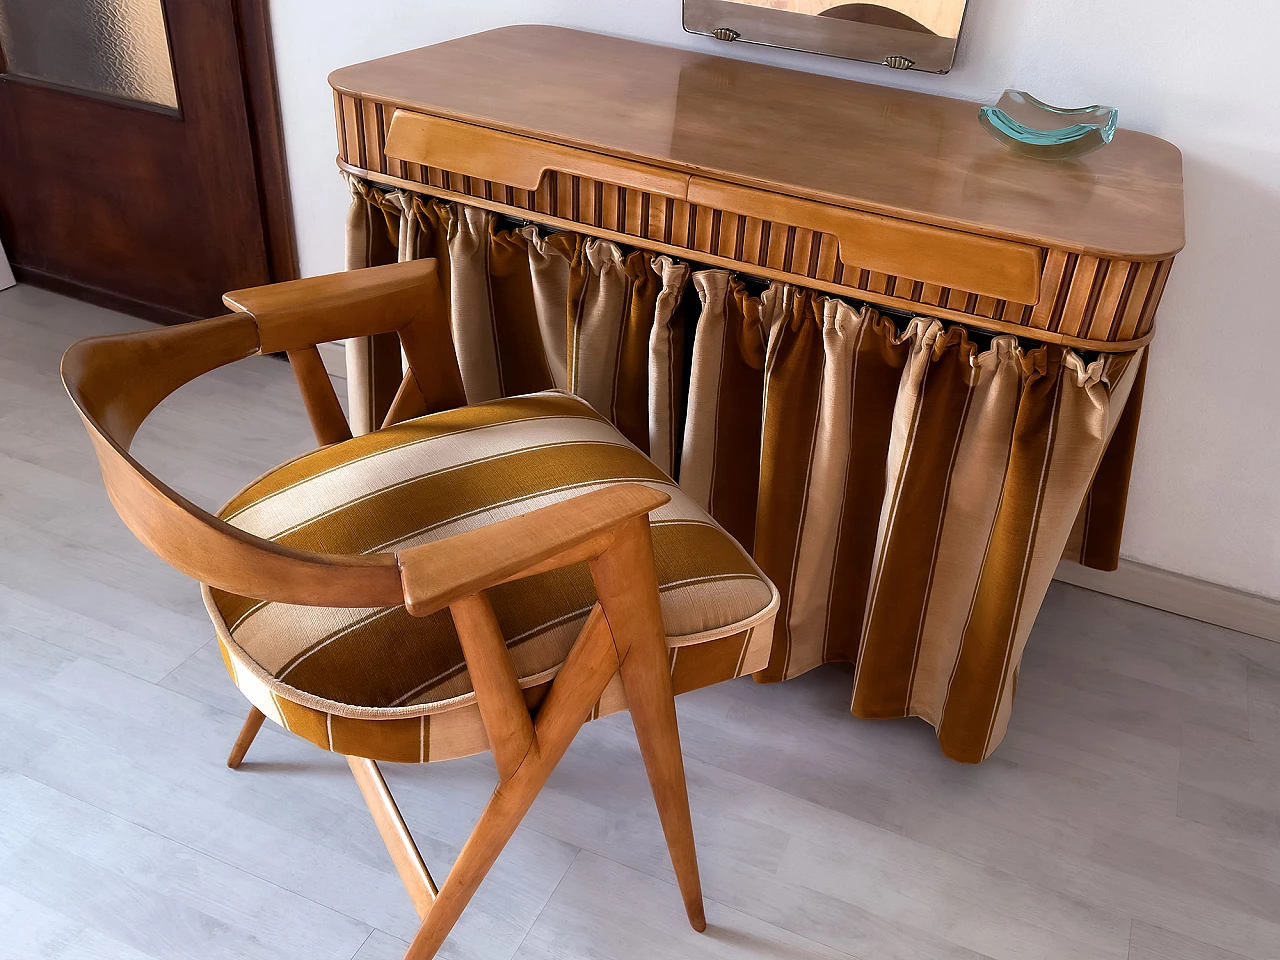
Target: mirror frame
830, 36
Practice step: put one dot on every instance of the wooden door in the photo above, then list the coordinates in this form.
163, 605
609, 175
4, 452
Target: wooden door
140, 157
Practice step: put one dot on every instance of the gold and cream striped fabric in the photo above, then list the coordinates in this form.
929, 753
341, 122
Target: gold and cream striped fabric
942, 483
533, 311
907, 484
426, 479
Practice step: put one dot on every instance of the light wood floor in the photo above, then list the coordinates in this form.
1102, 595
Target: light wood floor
1132, 812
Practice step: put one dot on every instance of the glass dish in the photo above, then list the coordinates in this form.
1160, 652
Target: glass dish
1038, 129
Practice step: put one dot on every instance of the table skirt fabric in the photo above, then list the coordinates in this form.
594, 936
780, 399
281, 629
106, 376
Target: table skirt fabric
908, 485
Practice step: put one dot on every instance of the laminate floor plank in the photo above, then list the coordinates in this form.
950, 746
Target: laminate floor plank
381, 946
33, 930
1132, 812
1123, 638
202, 676
607, 911
1231, 782
1264, 703
142, 653
152, 894
746, 836
1152, 943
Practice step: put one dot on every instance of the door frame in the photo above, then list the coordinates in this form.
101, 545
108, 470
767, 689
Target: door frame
252, 20
262, 99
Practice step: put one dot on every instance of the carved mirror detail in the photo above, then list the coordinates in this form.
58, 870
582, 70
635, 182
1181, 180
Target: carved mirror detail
903, 34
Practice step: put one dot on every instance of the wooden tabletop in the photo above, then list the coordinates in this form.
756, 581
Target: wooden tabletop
911, 155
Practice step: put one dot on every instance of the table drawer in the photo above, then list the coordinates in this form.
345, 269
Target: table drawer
986, 266
518, 161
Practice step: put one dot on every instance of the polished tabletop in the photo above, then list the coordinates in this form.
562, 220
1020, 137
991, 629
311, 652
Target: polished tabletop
912, 155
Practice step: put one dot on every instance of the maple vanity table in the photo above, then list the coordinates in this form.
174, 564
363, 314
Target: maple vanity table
915, 470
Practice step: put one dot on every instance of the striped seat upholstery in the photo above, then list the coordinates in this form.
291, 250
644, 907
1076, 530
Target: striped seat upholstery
382, 684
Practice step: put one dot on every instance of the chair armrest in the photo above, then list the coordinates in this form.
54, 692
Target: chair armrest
401, 298
435, 575
359, 303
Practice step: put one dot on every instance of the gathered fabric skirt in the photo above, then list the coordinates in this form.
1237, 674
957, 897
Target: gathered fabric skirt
908, 484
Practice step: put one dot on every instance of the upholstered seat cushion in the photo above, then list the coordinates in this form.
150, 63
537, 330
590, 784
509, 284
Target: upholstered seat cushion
387, 685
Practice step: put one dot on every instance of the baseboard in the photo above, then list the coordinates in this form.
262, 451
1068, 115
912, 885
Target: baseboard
100, 297
1185, 596
334, 356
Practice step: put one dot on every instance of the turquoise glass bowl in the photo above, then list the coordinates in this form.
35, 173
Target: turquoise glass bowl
1037, 129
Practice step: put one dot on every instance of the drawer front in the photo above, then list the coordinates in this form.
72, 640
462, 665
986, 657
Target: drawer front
988, 267
521, 162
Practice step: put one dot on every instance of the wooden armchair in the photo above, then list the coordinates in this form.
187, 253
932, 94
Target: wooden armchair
480, 578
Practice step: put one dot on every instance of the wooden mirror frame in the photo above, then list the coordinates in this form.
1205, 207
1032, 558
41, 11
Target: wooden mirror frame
830, 36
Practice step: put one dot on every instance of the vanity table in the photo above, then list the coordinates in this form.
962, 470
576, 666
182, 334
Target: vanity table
869, 194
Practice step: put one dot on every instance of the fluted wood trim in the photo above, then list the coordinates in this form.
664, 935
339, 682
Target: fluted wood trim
1083, 301
1011, 318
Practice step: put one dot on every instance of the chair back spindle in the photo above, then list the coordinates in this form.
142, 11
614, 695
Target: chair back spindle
323, 409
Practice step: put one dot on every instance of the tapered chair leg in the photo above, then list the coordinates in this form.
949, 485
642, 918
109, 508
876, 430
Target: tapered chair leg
624, 635
252, 724
505, 810
585, 674
647, 681
635, 619
395, 834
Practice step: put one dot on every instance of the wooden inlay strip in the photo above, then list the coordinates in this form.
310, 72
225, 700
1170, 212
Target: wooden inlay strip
1153, 297
341, 124
986, 306
828, 254
1132, 316
879, 282
801, 250
374, 158
1110, 298
751, 236
1054, 276
933, 294
355, 135
633, 211
1074, 310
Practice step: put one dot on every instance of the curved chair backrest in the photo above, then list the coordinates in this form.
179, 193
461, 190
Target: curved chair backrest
116, 381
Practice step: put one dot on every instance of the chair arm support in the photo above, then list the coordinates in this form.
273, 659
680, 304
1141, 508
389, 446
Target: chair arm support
358, 303
435, 575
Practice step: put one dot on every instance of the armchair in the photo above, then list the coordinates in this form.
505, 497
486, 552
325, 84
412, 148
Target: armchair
464, 579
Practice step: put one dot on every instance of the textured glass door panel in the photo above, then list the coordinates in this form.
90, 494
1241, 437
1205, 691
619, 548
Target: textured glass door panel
116, 47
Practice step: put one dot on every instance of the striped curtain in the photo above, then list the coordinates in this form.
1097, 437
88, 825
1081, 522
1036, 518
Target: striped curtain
909, 485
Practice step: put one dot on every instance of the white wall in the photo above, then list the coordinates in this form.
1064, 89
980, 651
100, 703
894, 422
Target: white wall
1206, 492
